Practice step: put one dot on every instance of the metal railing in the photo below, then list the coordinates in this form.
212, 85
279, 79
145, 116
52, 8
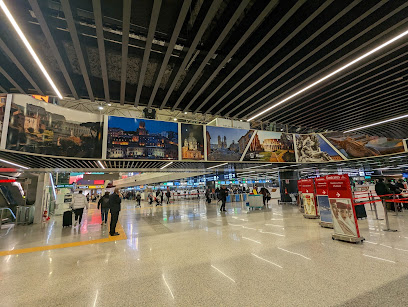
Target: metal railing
2, 215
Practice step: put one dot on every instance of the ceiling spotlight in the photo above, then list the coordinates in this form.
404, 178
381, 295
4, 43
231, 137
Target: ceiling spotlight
185, 112
175, 119
109, 104
29, 48
100, 108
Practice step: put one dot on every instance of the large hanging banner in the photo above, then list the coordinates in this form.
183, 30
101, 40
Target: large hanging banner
227, 144
268, 146
48, 129
313, 148
322, 196
308, 198
343, 212
358, 145
192, 142
134, 138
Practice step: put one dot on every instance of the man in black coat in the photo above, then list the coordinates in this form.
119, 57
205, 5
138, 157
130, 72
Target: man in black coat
114, 205
103, 203
381, 188
223, 197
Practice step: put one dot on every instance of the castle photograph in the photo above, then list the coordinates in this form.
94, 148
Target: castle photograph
192, 141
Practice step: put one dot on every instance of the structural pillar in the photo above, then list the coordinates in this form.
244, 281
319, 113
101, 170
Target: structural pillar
288, 185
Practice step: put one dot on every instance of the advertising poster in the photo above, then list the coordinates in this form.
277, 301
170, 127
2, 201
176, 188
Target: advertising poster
268, 146
44, 128
226, 144
323, 200
134, 138
343, 213
307, 190
309, 203
192, 142
313, 148
359, 145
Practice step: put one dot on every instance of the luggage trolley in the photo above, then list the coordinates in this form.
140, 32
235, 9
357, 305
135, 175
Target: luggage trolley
255, 201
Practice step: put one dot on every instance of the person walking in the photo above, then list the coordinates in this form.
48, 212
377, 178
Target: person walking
161, 197
223, 197
114, 206
208, 195
103, 203
138, 199
79, 202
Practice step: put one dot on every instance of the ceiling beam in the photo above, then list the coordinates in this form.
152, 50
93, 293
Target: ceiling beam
271, 5
176, 31
2, 89
361, 33
150, 36
127, 9
238, 12
273, 52
11, 80
51, 43
77, 46
101, 46
267, 74
16, 62
252, 52
206, 22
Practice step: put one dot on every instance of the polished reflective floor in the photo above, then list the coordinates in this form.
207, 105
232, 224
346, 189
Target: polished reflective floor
190, 254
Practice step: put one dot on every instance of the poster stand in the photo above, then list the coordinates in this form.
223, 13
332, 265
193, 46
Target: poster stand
309, 198
343, 210
322, 199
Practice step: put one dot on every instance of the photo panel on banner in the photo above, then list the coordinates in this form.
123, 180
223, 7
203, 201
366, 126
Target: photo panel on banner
269, 146
227, 144
192, 142
313, 148
360, 145
136, 138
3, 99
44, 128
322, 196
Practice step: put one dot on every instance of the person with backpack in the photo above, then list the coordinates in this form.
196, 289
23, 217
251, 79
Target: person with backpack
103, 203
138, 199
223, 197
208, 195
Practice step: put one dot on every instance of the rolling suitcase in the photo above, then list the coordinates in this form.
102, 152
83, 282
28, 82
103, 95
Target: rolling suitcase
360, 211
67, 219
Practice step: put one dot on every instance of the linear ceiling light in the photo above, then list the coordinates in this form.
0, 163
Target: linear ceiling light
101, 165
168, 164
217, 165
332, 73
30, 49
378, 123
15, 164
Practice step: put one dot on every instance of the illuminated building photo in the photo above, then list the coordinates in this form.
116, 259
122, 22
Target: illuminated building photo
192, 142
44, 128
132, 138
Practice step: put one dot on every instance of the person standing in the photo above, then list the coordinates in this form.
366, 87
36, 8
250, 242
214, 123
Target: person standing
168, 195
114, 206
79, 202
198, 193
138, 198
103, 203
161, 197
223, 197
381, 189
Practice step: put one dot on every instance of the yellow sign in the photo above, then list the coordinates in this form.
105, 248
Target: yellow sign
96, 187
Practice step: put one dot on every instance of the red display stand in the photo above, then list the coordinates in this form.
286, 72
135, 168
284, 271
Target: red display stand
345, 222
322, 199
308, 198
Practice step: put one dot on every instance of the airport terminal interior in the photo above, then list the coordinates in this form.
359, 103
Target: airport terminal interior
203, 153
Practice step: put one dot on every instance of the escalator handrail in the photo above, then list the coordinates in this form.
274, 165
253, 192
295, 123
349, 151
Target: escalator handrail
10, 212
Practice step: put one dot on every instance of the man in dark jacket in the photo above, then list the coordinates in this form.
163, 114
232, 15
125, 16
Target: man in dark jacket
103, 203
381, 188
114, 205
223, 197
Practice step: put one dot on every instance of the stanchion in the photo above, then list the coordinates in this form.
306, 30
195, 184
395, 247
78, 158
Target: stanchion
375, 207
395, 205
369, 199
387, 223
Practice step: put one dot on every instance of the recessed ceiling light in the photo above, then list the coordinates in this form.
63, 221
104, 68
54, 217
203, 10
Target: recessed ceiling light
185, 112
28, 46
109, 104
332, 73
175, 119
100, 108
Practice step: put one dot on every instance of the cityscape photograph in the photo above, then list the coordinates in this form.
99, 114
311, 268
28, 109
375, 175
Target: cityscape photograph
192, 141
43, 128
133, 138
226, 144
269, 146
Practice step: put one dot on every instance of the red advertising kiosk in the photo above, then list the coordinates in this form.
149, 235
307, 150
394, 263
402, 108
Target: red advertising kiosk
342, 207
322, 199
308, 198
